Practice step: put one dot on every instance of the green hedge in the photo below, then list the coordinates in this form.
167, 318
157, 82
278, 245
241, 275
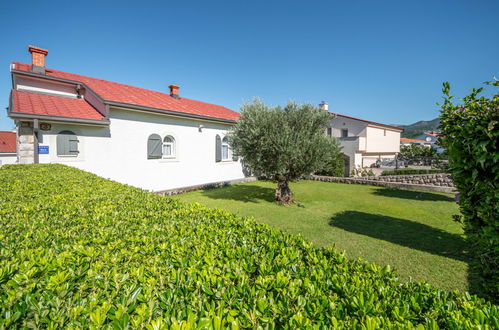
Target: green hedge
470, 133
410, 171
80, 251
335, 166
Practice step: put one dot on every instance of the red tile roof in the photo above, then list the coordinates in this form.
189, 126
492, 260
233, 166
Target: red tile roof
7, 141
48, 105
413, 140
116, 92
432, 133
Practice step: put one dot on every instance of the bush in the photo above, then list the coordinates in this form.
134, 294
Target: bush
470, 133
410, 171
79, 251
362, 172
335, 166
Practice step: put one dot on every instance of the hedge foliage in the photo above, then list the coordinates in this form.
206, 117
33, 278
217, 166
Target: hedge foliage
410, 171
79, 251
470, 133
335, 166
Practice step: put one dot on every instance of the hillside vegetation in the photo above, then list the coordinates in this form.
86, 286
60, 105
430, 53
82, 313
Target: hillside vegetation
79, 251
418, 128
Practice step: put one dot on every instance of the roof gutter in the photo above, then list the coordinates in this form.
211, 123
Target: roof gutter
126, 105
20, 115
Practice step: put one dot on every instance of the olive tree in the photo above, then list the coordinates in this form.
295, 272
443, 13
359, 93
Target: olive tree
283, 143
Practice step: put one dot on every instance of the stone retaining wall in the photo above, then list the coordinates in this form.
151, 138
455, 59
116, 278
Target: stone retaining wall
437, 179
425, 182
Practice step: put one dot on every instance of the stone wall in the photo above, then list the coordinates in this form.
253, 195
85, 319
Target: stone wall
26, 144
440, 182
437, 179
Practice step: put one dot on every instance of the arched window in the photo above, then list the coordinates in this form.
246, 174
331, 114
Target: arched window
67, 144
169, 147
154, 146
225, 148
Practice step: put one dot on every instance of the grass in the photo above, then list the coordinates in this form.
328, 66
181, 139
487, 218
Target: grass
408, 230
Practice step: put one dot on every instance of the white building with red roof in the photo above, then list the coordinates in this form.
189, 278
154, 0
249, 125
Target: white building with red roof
8, 148
364, 141
408, 142
148, 139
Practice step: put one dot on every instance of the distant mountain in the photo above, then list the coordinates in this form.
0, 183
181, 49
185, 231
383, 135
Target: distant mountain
413, 130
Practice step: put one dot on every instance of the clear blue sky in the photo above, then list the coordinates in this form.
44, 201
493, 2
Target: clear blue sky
379, 60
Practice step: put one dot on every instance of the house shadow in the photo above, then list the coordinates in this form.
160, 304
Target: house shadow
410, 194
246, 193
403, 232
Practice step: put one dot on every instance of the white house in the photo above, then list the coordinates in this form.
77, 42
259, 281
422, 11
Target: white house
364, 142
148, 139
431, 138
8, 152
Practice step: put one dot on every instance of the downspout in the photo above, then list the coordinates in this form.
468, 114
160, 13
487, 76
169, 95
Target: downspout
36, 126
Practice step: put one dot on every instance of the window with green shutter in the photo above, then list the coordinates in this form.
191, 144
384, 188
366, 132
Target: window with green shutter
154, 145
67, 144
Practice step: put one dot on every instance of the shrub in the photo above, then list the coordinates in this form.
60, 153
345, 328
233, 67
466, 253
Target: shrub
335, 166
362, 172
470, 133
79, 251
410, 171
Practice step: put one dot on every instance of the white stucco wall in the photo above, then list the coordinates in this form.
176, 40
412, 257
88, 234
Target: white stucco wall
32, 84
355, 127
8, 158
382, 140
119, 152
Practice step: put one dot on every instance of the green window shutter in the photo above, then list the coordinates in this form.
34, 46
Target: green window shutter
154, 145
67, 144
218, 149
73, 145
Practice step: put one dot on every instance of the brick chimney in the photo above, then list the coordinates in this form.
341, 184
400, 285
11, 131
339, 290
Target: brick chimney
174, 91
38, 59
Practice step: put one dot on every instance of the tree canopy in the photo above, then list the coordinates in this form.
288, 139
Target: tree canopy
283, 143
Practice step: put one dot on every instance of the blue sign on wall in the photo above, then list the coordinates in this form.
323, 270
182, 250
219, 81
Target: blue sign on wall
43, 150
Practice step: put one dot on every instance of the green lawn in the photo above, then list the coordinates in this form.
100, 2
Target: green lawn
408, 230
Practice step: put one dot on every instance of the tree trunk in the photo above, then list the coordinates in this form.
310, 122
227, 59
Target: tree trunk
283, 193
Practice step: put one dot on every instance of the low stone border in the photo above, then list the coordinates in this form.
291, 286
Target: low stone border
431, 179
397, 185
211, 185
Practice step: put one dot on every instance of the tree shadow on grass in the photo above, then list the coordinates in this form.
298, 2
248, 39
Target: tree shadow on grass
410, 194
403, 232
244, 193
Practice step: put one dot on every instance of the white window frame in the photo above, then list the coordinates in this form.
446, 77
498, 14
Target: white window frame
225, 145
172, 145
